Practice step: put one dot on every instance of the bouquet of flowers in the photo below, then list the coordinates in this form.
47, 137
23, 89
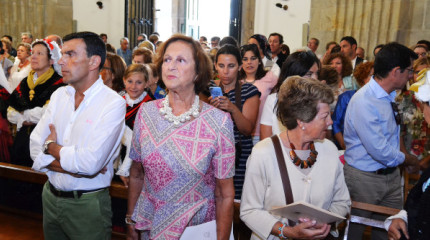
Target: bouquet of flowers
422, 86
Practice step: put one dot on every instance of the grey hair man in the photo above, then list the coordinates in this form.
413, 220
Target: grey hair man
124, 51
26, 37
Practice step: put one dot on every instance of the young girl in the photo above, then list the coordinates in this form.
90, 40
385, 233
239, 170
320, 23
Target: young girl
135, 80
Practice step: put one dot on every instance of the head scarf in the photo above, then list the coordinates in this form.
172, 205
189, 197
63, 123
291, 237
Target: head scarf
54, 52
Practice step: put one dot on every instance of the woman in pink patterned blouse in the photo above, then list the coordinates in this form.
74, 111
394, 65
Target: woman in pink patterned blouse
183, 152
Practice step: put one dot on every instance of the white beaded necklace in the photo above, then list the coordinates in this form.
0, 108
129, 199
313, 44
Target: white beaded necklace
166, 111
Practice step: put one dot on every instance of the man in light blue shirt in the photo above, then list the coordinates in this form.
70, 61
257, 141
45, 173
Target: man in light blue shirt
372, 127
124, 51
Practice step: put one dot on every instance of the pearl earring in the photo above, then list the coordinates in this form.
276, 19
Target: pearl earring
303, 127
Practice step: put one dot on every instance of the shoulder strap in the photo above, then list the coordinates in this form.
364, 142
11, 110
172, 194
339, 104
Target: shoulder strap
238, 95
284, 173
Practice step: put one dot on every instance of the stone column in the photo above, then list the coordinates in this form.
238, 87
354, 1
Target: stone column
39, 17
370, 22
248, 17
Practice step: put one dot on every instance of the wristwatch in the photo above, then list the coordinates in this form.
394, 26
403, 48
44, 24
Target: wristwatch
46, 144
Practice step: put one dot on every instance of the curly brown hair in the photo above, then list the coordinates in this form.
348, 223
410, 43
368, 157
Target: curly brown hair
329, 74
27, 47
362, 71
203, 64
346, 63
146, 53
298, 99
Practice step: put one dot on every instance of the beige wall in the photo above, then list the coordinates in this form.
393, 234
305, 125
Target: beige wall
291, 23
371, 22
109, 20
40, 17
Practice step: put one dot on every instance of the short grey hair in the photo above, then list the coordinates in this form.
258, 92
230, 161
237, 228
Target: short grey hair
124, 38
298, 99
27, 34
144, 36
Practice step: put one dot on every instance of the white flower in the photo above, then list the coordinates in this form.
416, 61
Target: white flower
423, 93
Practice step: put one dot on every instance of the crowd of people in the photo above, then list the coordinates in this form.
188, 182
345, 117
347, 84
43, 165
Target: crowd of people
339, 126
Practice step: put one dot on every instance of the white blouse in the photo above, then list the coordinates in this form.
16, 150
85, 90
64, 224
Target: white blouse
324, 186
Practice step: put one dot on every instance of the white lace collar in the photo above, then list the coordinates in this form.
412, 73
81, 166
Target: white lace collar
130, 102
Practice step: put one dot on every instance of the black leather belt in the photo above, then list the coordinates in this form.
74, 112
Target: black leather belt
385, 171
70, 194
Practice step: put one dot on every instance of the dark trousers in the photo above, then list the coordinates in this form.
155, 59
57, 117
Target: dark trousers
378, 189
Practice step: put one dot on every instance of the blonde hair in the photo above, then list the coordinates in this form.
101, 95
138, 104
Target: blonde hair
147, 44
27, 47
137, 68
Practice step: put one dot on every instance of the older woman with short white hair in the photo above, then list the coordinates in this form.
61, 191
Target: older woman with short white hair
312, 162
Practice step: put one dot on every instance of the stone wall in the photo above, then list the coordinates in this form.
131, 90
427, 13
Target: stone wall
371, 22
248, 16
40, 17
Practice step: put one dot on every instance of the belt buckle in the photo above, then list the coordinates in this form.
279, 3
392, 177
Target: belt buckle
62, 194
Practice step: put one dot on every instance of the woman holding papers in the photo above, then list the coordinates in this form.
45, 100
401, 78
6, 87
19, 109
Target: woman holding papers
315, 172
183, 153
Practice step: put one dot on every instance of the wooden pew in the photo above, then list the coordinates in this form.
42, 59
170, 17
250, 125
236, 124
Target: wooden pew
26, 174
367, 221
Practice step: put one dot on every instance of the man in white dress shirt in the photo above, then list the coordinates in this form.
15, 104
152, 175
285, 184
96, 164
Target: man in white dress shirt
75, 143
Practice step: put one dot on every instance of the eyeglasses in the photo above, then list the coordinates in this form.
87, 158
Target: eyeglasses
397, 114
410, 70
423, 54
